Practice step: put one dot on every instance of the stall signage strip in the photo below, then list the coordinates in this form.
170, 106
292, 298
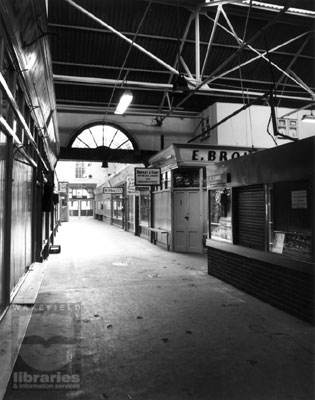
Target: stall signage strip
112, 190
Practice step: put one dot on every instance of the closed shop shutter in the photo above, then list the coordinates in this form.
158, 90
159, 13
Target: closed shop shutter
249, 216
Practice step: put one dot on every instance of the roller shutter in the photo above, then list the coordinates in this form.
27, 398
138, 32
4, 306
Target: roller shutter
249, 216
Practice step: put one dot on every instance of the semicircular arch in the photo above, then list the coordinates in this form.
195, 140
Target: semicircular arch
100, 134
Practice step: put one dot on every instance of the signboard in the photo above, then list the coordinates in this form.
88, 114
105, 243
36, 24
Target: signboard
112, 190
299, 199
131, 189
147, 176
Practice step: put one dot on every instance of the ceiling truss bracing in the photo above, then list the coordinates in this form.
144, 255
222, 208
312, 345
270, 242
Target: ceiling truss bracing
224, 50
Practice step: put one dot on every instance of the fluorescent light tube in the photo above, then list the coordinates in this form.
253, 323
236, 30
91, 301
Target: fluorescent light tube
124, 102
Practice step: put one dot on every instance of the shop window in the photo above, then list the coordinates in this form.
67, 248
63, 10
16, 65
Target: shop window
118, 207
165, 181
290, 220
107, 207
220, 214
144, 209
188, 177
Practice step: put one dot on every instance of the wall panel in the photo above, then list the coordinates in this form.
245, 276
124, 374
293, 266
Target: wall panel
3, 159
21, 256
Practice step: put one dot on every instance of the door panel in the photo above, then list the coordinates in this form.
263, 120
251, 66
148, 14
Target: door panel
187, 227
179, 221
193, 224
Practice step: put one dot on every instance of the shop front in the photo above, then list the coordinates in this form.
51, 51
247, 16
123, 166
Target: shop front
179, 203
261, 225
119, 202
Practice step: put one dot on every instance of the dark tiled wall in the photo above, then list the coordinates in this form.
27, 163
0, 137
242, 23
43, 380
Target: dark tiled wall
286, 289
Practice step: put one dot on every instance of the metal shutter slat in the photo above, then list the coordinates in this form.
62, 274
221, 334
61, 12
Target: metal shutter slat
250, 216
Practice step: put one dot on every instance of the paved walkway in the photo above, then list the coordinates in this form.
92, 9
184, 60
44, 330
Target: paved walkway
118, 318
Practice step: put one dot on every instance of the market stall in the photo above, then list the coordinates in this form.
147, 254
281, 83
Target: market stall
179, 204
261, 225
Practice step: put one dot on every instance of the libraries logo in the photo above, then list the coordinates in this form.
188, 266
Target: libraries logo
50, 355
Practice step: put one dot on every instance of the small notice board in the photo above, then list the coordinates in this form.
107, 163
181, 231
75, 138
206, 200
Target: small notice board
147, 176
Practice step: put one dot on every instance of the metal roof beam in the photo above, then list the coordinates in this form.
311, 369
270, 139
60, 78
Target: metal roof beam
214, 28
197, 45
168, 38
110, 82
142, 49
98, 108
263, 56
179, 51
297, 55
228, 60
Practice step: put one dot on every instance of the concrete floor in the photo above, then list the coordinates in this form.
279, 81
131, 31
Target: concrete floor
119, 318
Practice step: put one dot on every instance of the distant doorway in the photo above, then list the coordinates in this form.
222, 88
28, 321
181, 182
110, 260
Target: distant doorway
81, 208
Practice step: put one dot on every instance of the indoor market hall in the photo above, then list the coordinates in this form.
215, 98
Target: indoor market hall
115, 317
157, 187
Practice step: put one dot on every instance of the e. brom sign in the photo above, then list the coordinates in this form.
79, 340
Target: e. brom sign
216, 155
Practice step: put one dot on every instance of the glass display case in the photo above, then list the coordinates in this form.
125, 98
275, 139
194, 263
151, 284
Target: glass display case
292, 244
220, 214
290, 220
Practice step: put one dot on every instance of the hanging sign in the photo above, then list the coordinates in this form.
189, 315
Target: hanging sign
147, 176
112, 190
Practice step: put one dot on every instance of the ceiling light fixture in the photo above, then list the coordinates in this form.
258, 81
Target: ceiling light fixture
309, 118
124, 102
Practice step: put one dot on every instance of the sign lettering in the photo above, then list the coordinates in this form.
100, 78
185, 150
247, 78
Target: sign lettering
147, 176
216, 155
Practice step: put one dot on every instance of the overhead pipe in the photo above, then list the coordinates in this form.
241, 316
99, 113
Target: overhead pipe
92, 16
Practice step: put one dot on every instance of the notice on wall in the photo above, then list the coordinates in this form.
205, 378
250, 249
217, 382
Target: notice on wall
278, 242
147, 176
299, 199
131, 189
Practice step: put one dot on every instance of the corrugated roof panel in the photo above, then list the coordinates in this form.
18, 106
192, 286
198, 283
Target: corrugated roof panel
82, 47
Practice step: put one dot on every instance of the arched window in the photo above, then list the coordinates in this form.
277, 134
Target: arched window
103, 135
